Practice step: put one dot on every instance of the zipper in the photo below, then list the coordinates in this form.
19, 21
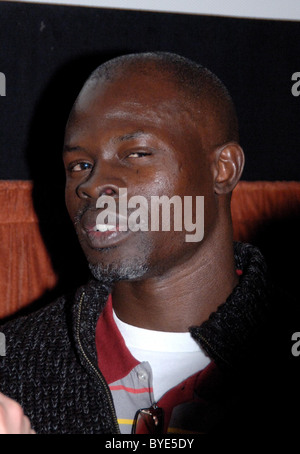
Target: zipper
96, 371
212, 348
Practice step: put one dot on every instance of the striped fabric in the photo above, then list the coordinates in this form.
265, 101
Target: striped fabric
130, 383
130, 393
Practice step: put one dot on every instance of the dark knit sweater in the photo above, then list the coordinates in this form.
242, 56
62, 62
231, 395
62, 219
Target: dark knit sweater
51, 369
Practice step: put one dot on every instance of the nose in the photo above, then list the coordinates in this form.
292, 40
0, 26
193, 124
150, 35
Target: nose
99, 182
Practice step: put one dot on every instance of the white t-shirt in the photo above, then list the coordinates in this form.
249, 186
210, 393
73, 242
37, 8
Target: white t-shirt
172, 356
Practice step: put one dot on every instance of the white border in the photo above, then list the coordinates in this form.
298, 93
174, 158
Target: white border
262, 9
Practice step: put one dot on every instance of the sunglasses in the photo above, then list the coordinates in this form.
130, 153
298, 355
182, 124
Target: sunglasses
148, 421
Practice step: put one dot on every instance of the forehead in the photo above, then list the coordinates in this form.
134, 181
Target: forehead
135, 98
134, 85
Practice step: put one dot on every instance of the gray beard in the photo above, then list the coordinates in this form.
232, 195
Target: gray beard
109, 274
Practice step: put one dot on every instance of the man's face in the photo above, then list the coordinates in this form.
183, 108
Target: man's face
135, 133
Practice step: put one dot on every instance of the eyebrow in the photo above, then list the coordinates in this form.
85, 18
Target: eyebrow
129, 136
68, 148
132, 135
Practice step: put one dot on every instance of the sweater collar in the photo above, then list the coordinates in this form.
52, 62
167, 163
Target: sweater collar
232, 330
90, 301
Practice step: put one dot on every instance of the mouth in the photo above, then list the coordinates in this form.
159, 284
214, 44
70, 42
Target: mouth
102, 235
104, 228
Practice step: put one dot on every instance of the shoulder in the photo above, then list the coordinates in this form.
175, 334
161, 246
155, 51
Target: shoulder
37, 331
35, 321
53, 326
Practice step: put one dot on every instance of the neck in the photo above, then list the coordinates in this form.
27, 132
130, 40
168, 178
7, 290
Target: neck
185, 296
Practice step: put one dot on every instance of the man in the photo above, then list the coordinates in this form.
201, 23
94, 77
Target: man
171, 334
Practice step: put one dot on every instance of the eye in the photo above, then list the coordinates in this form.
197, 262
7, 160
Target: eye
79, 166
138, 154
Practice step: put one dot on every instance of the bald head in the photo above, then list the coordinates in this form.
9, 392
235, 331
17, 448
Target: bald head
199, 90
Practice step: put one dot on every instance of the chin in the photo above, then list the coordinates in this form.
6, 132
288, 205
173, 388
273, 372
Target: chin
111, 273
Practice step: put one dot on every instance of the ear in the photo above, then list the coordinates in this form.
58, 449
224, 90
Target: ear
229, 164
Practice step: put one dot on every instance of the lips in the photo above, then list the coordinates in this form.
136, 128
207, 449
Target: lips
99, 234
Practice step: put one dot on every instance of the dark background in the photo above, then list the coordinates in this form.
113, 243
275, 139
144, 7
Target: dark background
47, 52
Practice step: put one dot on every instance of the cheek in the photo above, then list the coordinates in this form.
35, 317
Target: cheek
199, 181
71, 200
156, 183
